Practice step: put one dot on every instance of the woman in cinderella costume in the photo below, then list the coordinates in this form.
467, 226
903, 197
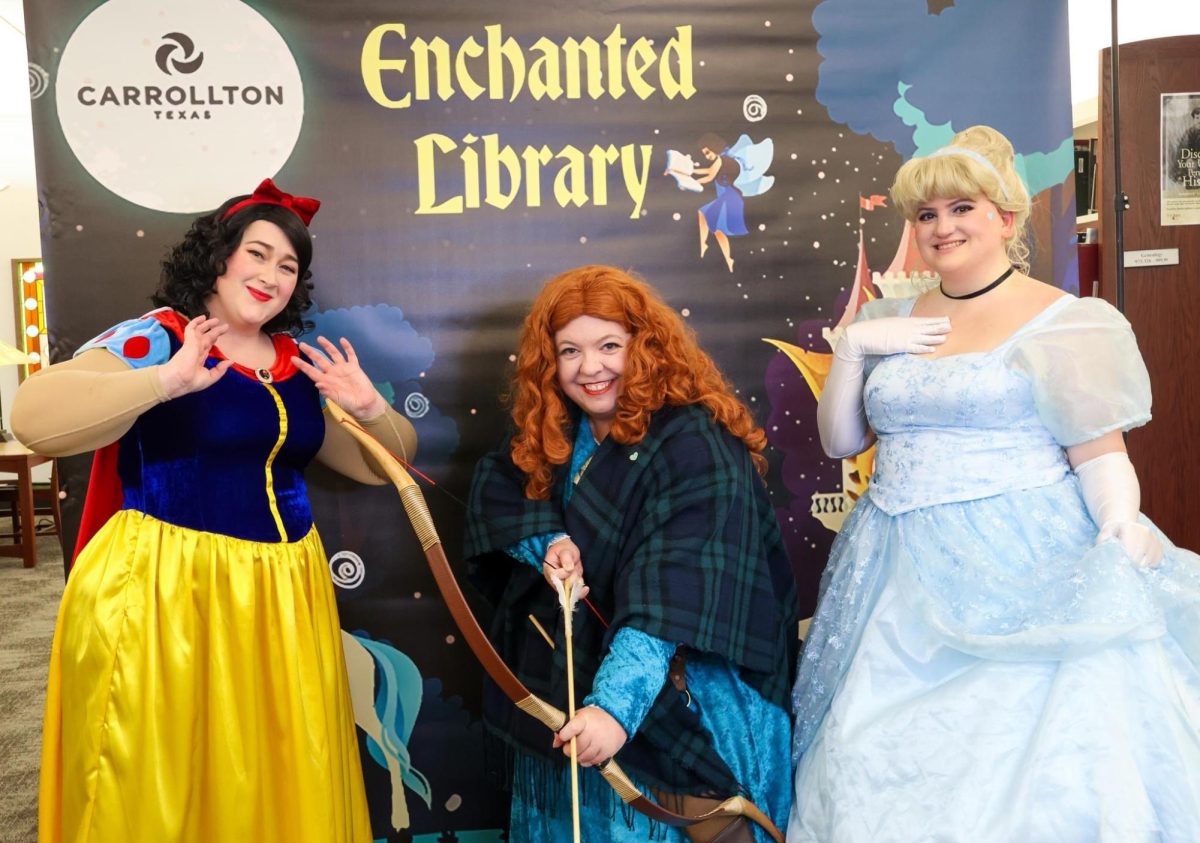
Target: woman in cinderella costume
1004, 648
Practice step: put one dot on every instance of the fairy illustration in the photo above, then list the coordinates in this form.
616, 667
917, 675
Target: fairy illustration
737, 172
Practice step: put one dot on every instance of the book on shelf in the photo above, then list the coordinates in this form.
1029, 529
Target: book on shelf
1085, 176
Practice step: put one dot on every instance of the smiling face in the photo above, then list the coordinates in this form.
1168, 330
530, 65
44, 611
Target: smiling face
963, 237
259, 278
591, 359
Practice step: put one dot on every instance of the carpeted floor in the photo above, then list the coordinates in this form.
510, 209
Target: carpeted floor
28, 606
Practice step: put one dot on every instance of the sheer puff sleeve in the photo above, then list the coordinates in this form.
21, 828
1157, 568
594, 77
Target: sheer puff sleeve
1087, 374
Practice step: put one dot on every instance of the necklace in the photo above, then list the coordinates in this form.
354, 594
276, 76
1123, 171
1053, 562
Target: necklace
986, 289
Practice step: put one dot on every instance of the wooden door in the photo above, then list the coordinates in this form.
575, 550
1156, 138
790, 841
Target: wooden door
1162, 302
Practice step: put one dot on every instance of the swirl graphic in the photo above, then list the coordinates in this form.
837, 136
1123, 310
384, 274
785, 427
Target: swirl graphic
185, 64
39, 80
416, 405
347, 569
754, 108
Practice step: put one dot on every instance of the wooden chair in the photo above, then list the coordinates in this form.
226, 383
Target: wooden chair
47, 512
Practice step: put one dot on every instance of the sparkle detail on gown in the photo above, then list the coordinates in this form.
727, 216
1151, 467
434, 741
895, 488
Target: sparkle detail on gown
978, 668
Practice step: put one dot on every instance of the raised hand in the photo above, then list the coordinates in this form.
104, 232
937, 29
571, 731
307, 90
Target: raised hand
563, 562
340, 379
597, 735
893, 335
841, 417
185, 372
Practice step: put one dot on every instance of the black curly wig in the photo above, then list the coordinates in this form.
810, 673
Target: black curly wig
191, 269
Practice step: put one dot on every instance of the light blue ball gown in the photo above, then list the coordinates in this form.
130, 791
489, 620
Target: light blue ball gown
978, 668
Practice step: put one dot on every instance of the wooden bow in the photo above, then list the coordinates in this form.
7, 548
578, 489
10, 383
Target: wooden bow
553, 718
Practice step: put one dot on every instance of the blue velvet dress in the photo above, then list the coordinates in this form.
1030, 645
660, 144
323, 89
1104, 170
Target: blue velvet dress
978, 668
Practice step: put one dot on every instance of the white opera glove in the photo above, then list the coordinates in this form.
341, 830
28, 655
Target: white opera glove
1113, 498
841, 416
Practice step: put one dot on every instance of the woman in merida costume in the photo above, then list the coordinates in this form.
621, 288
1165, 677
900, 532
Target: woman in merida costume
197, 685
633, 467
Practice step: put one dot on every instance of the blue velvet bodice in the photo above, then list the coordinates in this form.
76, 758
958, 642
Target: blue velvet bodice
201, 461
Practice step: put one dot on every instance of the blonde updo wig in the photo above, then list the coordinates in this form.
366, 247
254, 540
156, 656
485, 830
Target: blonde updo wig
956, 172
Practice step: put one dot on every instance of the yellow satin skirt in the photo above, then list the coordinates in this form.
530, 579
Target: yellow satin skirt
198, 693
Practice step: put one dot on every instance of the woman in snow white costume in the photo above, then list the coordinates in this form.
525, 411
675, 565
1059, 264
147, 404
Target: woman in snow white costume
197, 685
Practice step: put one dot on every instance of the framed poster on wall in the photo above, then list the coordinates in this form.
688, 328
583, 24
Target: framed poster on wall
1180, 138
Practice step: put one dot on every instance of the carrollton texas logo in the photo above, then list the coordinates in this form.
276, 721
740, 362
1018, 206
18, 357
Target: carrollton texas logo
178, 55
178, 105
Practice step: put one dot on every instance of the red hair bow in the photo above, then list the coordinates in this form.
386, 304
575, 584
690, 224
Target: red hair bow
268, 194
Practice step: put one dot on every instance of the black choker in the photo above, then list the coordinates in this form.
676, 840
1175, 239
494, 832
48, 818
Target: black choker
986, 289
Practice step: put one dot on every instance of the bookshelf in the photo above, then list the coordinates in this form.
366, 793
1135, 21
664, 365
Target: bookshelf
1085, 121
1086, 131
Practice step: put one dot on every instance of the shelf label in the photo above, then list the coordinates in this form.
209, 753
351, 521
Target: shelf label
1151, 257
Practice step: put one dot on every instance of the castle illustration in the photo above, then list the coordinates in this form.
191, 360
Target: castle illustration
906, 276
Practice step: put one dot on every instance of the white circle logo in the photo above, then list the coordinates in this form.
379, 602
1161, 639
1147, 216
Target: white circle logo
754, 108
347, 569
416, 405
39, 80
177, 106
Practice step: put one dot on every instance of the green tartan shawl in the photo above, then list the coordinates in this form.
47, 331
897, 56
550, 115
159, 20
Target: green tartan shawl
679, 540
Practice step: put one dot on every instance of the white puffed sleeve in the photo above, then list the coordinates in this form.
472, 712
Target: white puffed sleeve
1087, 374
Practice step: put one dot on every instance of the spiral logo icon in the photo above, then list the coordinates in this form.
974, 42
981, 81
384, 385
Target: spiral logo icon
347, 569
416, 405
39, 80
186, 63
754, 108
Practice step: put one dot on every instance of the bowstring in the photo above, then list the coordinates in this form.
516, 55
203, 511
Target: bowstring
467, 507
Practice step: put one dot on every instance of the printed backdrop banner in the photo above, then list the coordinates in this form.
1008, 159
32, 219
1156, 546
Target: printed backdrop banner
464, 153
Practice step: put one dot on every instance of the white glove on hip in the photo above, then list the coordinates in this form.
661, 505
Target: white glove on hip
841, 416
1113, 498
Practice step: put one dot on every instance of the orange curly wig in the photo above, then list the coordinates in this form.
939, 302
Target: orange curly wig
664, 365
